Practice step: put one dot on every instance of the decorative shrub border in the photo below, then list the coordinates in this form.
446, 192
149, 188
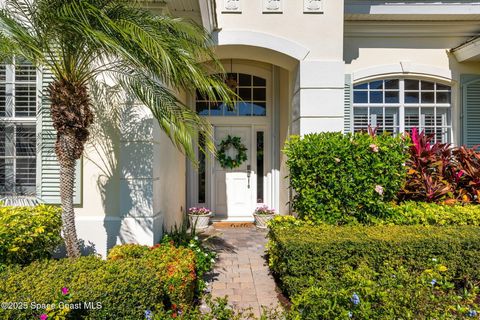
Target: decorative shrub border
302, 255
28, 233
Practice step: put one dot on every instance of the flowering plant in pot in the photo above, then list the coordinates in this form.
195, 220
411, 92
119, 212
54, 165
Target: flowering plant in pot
262, 215
199, 217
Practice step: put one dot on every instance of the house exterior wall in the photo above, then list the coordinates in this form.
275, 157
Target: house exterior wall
322, 34
311, 54
313, 41
119, 181
364, 39
134, 180
410, 49
170, 182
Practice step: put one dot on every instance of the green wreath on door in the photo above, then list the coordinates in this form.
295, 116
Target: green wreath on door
227, 161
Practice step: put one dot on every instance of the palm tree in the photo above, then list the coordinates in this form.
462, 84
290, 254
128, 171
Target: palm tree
148, 54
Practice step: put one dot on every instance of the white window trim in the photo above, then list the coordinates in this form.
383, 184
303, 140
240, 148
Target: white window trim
10, 88
402, 105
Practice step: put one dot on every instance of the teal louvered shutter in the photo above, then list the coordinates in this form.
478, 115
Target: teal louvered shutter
348, 112
470, 110
49, 169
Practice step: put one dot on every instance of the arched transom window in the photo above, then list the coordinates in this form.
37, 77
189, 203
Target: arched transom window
253, 93
399, 105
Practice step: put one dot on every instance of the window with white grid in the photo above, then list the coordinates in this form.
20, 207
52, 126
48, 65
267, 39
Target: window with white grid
399, 105
18, 109
252, 91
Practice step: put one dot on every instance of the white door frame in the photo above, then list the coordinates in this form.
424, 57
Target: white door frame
267, 181
268, 124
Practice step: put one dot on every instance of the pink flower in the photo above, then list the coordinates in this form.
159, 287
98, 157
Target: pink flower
43, 317
199, 211
64, 290
374, 147
379, 190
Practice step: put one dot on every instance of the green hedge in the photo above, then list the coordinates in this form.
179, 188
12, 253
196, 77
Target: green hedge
388, 293
421, 213
303, 256
125, 287
28, 233
340, 179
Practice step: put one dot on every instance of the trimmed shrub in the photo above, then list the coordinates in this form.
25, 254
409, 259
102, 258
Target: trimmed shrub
340, 179
421, 213
388, 293
219, 309
176, 267
124, 288
28, 233
304, 256
204, 257
126, 251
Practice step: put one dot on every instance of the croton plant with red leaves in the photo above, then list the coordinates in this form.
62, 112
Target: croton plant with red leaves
438, 172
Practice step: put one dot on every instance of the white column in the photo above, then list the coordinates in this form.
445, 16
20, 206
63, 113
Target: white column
318, 101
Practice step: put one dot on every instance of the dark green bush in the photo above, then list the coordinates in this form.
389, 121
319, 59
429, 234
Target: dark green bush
220, 309
422, 213
124, 287
28, 233
304, 256
341, 179
388, 293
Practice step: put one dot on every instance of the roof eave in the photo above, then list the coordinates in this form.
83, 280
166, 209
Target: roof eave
468, 51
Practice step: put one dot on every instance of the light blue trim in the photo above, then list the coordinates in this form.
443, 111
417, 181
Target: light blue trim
466, 81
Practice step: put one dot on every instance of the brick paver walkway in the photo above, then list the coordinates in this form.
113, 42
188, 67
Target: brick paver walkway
241, 271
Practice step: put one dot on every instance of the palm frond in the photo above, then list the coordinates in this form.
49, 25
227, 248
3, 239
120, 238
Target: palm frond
164, 47
181, 124
80, 39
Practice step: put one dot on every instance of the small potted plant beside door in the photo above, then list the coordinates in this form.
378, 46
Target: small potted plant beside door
199, 217
262, 215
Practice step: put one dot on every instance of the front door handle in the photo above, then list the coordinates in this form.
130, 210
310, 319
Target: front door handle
249, 169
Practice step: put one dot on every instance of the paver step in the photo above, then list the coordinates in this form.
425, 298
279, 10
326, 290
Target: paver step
241, 271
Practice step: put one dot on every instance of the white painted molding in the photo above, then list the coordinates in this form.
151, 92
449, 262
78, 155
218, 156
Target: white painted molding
403, 68
469, 51
410, 29
272, 6
411, 8
313, 6
207, 11
232, 6
261, 40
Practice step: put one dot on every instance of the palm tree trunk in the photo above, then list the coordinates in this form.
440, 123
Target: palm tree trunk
71, 115
67, 180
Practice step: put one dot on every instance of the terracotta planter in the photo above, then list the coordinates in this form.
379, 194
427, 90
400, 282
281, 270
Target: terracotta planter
262, 219
199, 222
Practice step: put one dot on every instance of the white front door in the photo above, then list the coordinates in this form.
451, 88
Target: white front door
235, 189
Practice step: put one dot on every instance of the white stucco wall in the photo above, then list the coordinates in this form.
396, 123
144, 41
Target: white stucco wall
170, 180
285, 131
135, 186
411, 55
133, 182
320, 33
119, 181
314, 42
